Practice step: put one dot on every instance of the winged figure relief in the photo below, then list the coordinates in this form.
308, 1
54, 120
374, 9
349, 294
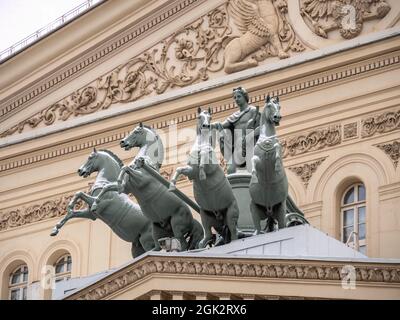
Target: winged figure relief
323, 16
263, 25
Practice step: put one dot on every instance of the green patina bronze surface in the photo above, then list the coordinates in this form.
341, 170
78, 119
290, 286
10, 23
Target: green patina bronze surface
211, 188
119, 212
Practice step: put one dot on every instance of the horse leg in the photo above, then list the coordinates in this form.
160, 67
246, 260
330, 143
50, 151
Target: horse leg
196, 235
87, 198
61, 223
207, 221
158, 233
232, 216
109, 187
254, 161
146, 239
71, 215
204, 160
182, 223
280, 213
137, 249
121, 181
187, 170
258, 214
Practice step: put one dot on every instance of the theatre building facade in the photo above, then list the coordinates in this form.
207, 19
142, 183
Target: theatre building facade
333, 64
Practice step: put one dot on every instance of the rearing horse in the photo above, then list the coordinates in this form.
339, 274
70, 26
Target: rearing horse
212, 191
170, 216
269, 185
120, 213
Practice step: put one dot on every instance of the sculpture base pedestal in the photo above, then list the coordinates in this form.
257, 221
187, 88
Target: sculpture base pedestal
240, 185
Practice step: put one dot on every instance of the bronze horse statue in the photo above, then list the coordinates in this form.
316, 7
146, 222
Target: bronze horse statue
269, 185
212, 191
119, 212
170, 216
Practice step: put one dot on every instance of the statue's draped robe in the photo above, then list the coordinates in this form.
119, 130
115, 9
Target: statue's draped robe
233, 139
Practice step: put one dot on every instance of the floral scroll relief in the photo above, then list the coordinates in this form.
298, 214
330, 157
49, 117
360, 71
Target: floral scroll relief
323, 16
190, 55
186, 57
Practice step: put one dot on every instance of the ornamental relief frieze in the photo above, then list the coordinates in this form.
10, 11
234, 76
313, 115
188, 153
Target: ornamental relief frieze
347, 16
35, 213
237, 35
251, 269
230, 38
124, 38
381, 123
56, 207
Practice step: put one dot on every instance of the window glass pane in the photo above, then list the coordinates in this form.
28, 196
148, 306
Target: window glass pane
60, 268
24, 294
16, 277
25, 278
361, 193
69, 265
361, 215
361, 231
346, 234
363, 250
349, 197
348, 217
14, 294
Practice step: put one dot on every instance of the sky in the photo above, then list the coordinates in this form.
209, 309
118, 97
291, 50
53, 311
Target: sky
20, 18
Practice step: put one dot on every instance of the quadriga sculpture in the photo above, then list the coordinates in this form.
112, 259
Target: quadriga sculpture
119, 212
212, 191
269, 185
170, 216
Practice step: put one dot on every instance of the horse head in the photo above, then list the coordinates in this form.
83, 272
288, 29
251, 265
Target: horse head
272, 110
203, 119
99, 160
91, 165
148, 141
136, 138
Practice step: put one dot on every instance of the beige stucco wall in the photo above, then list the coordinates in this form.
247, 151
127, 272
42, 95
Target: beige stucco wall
338, 87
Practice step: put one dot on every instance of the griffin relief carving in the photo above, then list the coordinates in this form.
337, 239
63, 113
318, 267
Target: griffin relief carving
264, 29
323, 16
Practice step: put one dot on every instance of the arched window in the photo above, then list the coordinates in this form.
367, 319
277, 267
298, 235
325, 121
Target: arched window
353, 212
63, 268
18, 283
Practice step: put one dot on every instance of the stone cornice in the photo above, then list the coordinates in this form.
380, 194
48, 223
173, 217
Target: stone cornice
86, 97
102, 51
292, 145
234, 267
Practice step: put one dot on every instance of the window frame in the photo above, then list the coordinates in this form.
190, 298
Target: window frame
22, 286
355, 242
65, 275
